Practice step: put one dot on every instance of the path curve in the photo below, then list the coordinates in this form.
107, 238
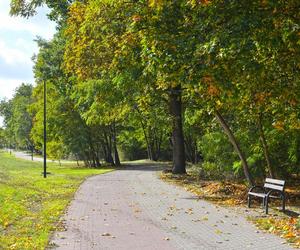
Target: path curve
133, 209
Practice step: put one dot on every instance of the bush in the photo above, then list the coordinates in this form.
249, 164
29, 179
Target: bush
218, 156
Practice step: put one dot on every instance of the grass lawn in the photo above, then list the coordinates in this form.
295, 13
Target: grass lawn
30, 206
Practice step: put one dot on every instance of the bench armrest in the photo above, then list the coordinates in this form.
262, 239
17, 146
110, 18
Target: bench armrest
256, 187
276, 191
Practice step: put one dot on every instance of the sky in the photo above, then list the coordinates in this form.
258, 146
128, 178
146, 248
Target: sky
17, 47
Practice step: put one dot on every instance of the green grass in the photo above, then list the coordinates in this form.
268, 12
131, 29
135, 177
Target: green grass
30, 206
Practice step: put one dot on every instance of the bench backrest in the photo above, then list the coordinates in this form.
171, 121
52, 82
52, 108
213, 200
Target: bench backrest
274, 184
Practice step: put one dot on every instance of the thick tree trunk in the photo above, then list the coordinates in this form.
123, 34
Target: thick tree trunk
108, 157
236, 146
265, 147
177, 132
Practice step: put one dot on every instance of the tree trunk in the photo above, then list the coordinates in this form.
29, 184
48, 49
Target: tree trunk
98, 164
149, 152
190, 148
265, 147
159, 145
114, 137
117, 158
236, 146
157, 140
177, 132
108, 157
196, 153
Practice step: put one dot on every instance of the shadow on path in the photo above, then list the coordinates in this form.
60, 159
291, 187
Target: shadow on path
291, 213
152, 167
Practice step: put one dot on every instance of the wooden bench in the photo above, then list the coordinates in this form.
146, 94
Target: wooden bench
272, 188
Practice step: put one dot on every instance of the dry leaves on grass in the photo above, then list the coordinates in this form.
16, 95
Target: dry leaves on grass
226, 193
288, 228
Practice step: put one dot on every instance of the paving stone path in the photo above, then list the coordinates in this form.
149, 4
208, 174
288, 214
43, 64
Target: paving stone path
133, 210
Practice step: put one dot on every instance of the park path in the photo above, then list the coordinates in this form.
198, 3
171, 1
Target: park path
133, 209
27, 156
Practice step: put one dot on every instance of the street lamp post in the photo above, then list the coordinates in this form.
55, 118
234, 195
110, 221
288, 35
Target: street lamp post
45, 135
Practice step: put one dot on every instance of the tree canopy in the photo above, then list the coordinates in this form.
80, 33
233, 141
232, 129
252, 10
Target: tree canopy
212, 82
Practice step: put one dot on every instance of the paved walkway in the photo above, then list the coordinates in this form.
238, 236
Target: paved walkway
133, 209
27, 156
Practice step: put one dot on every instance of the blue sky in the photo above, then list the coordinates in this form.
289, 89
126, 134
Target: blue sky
17, 46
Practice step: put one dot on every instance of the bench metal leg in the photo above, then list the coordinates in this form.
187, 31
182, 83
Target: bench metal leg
283, 203
249, 201
267, 205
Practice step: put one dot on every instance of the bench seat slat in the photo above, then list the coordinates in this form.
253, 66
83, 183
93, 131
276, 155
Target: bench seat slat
275, 187
275, 181
257, 194
275, 197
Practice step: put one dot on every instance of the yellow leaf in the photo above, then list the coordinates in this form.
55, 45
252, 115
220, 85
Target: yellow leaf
218, 231
290, 235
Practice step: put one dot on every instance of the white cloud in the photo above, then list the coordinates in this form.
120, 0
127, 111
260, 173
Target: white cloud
8, 86
36, 25
17, 46
17, 24
13, 56
26, 45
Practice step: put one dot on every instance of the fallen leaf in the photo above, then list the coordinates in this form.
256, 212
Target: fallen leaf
290, 235
204, 218
106, 234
